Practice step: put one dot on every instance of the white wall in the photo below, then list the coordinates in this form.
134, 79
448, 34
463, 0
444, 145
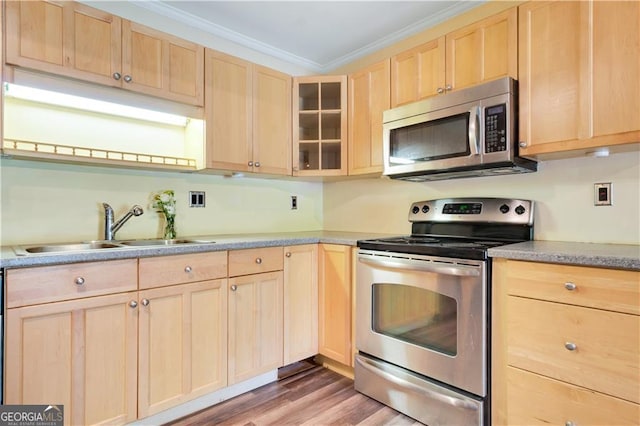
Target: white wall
562, 189
47, 202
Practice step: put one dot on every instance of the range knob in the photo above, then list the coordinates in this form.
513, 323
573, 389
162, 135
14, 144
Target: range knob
415, 210
504, 208
520, 209
425, 209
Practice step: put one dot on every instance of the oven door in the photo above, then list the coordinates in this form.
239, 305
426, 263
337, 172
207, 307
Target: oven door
426, 314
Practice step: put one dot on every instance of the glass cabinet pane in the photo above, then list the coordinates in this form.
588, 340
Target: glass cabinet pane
309, 97
309, 126
330, 95
331, 158
330, 128
309, 158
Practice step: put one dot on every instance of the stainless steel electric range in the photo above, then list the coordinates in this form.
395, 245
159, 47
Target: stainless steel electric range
423, 325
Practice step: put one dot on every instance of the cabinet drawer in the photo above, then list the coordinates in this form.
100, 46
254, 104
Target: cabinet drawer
606, 357
255, 261
609, 289
533, 399
43, 284
183, 268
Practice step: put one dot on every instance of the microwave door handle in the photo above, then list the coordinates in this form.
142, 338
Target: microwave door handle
474, 130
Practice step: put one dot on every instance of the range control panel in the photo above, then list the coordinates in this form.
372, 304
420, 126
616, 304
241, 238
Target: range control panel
491, 210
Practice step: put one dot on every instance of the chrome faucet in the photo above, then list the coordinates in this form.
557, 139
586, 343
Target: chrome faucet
110, 228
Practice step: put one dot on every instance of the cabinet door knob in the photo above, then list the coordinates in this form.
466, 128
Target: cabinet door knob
117, 76
569, 423
288, 254
188, 269
128, 79
250, 163
133, 303
79, 281
145, 302
258, 261
570, 346
234, 287
257, 164
522, 144
449, 88
570, 286
440, 90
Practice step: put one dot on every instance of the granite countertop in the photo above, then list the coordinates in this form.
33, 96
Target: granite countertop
619, 256
9, 258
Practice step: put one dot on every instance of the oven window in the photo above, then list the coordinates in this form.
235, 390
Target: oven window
414, 315
442, 138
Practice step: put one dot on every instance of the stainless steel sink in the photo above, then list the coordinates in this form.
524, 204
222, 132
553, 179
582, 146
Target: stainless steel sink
99, 245
53, 248
160, 242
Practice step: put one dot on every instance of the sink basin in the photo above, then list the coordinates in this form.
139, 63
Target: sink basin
53, 248
97, 245
160, 242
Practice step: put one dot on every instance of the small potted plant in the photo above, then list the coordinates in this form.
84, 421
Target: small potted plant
165, 202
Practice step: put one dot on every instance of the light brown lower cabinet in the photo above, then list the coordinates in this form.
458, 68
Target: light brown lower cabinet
566, 344
113, 358
80, 353
300, 302
255, 325
335, 303
182, 344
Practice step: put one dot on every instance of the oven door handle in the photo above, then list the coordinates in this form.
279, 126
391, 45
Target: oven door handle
421, 265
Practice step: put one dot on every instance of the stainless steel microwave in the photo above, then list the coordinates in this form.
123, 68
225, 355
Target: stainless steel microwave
469, 132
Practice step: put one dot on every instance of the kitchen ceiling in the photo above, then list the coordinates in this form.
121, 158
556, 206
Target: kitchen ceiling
318, 35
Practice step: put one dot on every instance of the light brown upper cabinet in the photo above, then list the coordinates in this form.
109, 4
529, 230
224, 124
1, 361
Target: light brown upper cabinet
483, 51
320, 126
418, 73
248, 111
74, 40
579, 76
369, 95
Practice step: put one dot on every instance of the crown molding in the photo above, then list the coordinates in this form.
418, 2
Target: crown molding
222, 32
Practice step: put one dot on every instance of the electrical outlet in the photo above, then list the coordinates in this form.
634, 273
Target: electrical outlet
602, 194
294, 202
196, 198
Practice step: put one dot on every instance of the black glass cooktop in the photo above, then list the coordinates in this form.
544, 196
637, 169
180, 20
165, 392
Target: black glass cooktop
464, 248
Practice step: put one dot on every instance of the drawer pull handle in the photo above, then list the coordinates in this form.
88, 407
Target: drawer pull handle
133, 303
79, 281
570, 286
570, 346
188, 269
234, 287
145, 302
258, 261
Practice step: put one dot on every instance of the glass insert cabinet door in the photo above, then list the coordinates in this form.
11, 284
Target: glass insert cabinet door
320, 126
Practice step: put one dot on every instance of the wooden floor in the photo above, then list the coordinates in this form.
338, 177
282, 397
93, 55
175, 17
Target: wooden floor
317, 396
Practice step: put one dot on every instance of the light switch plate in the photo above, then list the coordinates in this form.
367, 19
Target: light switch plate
602, 194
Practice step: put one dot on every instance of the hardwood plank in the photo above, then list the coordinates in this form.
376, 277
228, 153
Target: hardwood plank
317, 396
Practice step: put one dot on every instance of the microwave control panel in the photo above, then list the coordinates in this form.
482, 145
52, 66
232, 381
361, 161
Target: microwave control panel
495, 128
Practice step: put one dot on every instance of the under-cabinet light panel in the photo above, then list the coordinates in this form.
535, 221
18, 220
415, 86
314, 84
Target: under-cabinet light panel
87, 104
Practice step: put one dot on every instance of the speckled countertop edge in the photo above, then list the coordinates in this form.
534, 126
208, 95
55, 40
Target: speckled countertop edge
9, 258
619, 256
